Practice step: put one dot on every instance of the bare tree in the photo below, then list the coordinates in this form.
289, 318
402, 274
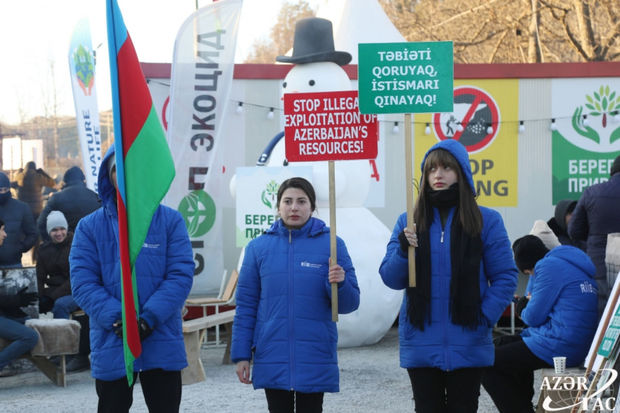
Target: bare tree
513, 31
282, 33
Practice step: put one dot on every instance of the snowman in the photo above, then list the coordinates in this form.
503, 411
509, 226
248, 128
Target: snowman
318, 69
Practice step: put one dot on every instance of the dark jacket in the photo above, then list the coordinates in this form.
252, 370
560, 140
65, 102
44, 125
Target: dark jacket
30, 183
443, 344
562, 313
75, 201
21, 233
558, 223
164, 272
283, 318
53, 268
595, 216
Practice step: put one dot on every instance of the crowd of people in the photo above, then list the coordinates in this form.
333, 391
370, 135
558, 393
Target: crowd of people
50, 249
284, 340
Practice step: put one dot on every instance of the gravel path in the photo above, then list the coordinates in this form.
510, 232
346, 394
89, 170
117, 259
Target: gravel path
370, 382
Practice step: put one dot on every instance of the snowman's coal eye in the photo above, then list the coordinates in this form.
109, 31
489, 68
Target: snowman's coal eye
284, 85
311, 82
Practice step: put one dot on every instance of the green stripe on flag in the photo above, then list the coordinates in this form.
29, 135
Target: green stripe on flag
149, 171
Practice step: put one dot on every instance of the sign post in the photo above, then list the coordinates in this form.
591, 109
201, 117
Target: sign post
328, 126
415, 77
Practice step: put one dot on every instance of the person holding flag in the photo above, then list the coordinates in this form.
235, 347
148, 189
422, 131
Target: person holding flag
131, 261
164, 272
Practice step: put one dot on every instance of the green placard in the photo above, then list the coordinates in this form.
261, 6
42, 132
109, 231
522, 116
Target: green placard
414, 77
611, 336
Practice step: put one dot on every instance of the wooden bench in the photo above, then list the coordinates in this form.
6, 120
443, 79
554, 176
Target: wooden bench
56, 338
194, 332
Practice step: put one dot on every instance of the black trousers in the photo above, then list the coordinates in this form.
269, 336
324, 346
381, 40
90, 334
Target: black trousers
161, 389
438, 391
284, 401
510, 382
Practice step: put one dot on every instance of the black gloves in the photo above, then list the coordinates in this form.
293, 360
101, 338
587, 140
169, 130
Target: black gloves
404, 242
520, 305
45, 304
143, 329
26, 299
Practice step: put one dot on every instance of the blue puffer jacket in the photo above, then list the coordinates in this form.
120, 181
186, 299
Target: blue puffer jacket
562, 314
442, 344
164, 273
283, 317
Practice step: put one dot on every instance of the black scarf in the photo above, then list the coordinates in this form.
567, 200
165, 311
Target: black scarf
465, 256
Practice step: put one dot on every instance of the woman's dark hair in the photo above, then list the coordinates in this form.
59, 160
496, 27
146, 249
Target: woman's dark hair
469, 213
299, 183
1, 223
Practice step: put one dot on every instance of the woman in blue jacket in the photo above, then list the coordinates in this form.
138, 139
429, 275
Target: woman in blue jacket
466, 277
283, 321
164, 271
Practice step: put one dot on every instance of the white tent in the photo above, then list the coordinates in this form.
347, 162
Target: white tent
359, 21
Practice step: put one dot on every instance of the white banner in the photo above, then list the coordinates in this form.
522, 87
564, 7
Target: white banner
257, 188
202, 72
82, 69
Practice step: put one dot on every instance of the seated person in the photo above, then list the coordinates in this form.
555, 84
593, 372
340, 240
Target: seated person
561, 316
53, 269
12, 327
55, 283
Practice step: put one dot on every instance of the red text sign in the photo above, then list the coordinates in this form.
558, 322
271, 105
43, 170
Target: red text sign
328, 126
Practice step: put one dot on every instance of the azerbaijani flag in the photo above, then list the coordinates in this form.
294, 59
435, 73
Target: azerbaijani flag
144, 168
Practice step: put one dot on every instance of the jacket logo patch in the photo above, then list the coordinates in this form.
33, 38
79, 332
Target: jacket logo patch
586, 287
310, 265
147, 245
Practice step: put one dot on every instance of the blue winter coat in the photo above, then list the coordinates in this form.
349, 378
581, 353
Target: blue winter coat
283, 318
562, 314
442, 344
164, 274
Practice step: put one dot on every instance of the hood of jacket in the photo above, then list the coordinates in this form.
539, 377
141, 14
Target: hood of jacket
459, 152
561, 209
573, 256
107, 192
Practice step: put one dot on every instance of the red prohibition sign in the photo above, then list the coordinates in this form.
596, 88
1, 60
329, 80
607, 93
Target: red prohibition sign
475, 111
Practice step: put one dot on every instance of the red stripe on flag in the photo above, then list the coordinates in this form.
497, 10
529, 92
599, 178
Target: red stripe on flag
134, 95
131, 322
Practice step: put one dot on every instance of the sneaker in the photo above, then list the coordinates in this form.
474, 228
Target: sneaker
8, 371
77, 363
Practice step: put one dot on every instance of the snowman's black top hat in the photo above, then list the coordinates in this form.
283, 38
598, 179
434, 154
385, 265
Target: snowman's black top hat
314, 42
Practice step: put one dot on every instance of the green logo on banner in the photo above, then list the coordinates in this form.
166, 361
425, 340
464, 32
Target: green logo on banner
416, 77
269, 195
198, 210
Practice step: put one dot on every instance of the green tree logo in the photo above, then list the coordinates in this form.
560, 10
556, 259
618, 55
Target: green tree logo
603, 103
84, 69
269, 195
198, 211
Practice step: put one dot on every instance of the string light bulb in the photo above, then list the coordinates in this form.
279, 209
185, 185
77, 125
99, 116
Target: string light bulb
489, 128
616, 116
521, 126
553, 126
427, 129
459, 127
239, 107
395, 129
586, 122
270, 114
